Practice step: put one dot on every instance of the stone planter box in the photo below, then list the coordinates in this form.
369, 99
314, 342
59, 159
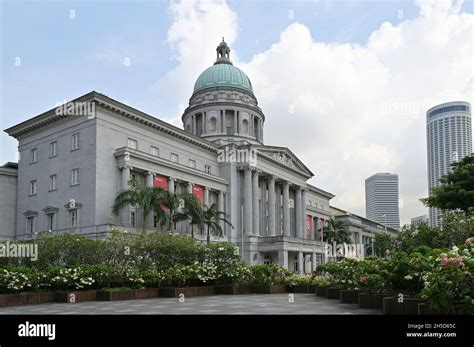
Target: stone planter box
349, 296
424, 309
233, 290
106, 295
298, 289
408, 306
334, 293
172, 292
75, 296
312, 288
148, 293
322, 291
269, 289
372, 300
33, 298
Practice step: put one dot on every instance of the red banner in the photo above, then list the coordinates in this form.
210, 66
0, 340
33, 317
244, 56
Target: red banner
308, 223
160, 182
198, 192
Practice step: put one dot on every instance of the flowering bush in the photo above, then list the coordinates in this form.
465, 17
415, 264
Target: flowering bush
14, 279
297, 280
62, 278
233, 274
264, 274
448, 282
190, 275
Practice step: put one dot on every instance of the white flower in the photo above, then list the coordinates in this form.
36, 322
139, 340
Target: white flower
408, 277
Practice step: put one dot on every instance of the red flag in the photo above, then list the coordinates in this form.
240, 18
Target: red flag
198, 192
160, 182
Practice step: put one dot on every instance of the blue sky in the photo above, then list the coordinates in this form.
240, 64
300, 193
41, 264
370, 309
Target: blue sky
63, 58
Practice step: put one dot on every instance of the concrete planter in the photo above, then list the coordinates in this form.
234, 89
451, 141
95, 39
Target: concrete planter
424, 309
75, 296
147, 293
408, 306
372, 300
233, 290
349, 296
297, 289
312, 288
322, 291
334, 293
269, 289
106, 295
33, 298
172, 292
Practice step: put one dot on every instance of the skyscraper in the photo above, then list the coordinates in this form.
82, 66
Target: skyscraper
449, 139
381, 199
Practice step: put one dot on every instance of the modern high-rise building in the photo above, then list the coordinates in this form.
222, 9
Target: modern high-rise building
449, 139
381, 199
424, 219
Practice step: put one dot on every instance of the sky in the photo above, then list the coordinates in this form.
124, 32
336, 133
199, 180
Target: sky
344, 84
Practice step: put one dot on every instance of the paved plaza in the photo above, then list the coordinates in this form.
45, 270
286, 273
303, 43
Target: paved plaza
217, 304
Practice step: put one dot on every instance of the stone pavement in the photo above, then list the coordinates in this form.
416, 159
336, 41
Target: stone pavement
218, 304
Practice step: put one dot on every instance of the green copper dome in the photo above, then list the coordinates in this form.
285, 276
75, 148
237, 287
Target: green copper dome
223, 74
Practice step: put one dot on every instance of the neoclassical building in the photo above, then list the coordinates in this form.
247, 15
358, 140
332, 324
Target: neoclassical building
75, 159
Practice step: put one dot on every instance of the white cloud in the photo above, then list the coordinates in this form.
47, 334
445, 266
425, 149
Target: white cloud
358, 109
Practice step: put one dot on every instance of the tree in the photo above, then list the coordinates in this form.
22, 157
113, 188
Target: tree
193, 211
382, 243
456, 190
171, 203
145, 198
335, 232
212, 218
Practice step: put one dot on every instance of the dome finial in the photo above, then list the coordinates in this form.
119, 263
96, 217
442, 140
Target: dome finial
223, 53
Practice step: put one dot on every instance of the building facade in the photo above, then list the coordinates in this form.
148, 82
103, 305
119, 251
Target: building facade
75, 159
381, 199
449, 139
424, 219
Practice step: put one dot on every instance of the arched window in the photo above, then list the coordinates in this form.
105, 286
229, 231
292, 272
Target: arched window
213, 125
245, 126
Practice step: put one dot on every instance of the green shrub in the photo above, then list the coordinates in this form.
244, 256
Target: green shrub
264, 274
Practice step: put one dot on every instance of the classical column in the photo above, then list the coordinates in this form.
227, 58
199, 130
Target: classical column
271, 207
303, 214
248, 221
125, 214
206, 197
149, 184
222, 121
194, 124
298, 213
235, 123
204, 122
300, 263
188, 222
220, 207
171, 184
283, 258
255, 204
286, 209
278, 226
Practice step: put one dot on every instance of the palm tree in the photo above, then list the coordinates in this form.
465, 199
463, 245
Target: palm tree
171, 203
335, 232
212, 218
193, 212
145, 198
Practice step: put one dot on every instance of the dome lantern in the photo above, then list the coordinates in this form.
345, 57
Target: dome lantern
223, 53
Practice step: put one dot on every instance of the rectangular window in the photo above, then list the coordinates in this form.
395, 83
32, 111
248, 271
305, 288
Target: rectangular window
75, 142
30, 225
207, 169
34, 156
74, 177
53, 149
154, 151
174, 158
192, 163
132, 219
52, 182
50, 220
33, 187
132, 143
73, 218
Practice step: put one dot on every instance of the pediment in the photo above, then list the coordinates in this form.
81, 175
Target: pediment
285, 157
